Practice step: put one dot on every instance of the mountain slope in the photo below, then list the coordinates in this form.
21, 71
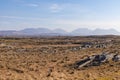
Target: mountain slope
81, 31
33, 31
105, 32
61, 31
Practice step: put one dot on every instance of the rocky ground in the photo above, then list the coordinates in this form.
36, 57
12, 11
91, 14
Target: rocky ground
52, 58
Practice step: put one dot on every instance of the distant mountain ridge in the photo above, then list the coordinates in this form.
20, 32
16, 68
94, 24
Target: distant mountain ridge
59, 32
86, 31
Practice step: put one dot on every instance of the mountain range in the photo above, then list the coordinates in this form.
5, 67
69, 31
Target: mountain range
58, 32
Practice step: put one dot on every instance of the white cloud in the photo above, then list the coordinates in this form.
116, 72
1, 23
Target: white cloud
32, 5
24, 18
66, 24
74, 24
14, 17
55, 8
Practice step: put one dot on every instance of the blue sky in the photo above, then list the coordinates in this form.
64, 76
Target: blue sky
65, 14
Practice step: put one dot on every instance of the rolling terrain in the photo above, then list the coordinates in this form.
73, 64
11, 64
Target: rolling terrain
52, 58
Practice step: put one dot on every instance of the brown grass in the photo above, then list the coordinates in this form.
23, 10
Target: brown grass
51, 58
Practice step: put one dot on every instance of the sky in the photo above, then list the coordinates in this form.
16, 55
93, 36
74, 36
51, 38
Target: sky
64, 14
